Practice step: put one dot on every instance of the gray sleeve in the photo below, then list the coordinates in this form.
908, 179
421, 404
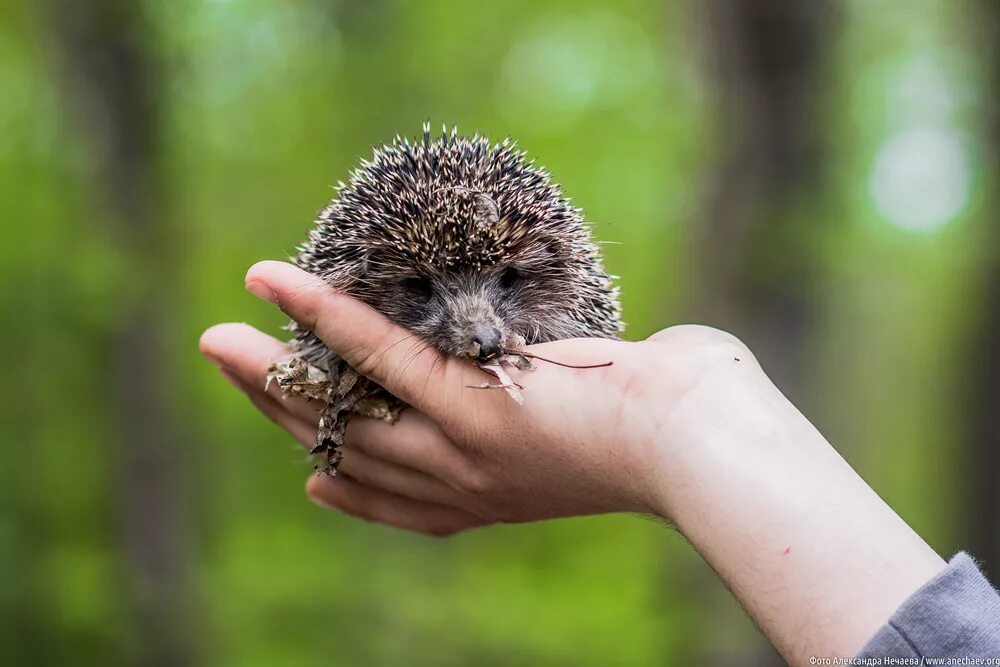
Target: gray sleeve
955, 615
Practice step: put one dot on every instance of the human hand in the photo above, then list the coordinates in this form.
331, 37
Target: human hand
684, 425
460, 457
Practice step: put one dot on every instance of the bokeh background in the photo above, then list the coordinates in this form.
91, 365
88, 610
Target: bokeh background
820, 178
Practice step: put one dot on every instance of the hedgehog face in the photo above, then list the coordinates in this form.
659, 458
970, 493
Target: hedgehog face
456, 313
473, 313
467, 244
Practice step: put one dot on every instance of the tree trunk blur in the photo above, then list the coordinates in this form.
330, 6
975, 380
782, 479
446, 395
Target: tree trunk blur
983, 394
767, 64
983, 451
112, 80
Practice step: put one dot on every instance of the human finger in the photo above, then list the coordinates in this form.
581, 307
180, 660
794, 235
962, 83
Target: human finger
408, 482
371, 504
414, 441
368, 341
302, 431
248, 353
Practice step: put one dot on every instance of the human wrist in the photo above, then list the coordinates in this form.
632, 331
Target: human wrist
720, 419
812, 552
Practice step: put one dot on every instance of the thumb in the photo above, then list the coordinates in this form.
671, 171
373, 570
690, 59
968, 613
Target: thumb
377, 348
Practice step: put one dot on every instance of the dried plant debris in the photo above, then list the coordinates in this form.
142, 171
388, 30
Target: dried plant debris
297, 377
520, 360
342, 392
495, 367
512, 388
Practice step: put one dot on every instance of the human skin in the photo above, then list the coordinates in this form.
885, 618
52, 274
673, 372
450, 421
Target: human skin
684, 425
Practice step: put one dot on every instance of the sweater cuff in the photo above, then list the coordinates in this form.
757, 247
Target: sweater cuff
954, 615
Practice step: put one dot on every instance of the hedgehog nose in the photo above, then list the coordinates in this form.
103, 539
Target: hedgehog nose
488, 339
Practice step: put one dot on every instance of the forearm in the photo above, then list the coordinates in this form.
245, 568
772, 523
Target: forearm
812, 553
678, 424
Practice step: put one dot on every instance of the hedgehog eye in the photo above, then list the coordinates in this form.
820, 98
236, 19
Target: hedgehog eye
419, 289
509, 278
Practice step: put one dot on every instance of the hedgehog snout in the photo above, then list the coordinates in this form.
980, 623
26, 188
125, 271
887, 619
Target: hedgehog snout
486, 340
471, 326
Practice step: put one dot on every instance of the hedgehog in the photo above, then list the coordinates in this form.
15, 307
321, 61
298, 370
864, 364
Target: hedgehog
466, 243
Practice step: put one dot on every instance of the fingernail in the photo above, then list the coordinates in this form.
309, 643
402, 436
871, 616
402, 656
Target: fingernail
262, 291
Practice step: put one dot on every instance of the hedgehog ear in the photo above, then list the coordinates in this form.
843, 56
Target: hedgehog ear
553, 248
487, 211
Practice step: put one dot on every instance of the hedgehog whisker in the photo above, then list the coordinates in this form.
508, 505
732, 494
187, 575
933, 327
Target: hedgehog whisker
430, 372
411, 356
382, 353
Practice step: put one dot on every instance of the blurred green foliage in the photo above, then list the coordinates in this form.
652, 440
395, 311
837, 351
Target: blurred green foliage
262, 106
